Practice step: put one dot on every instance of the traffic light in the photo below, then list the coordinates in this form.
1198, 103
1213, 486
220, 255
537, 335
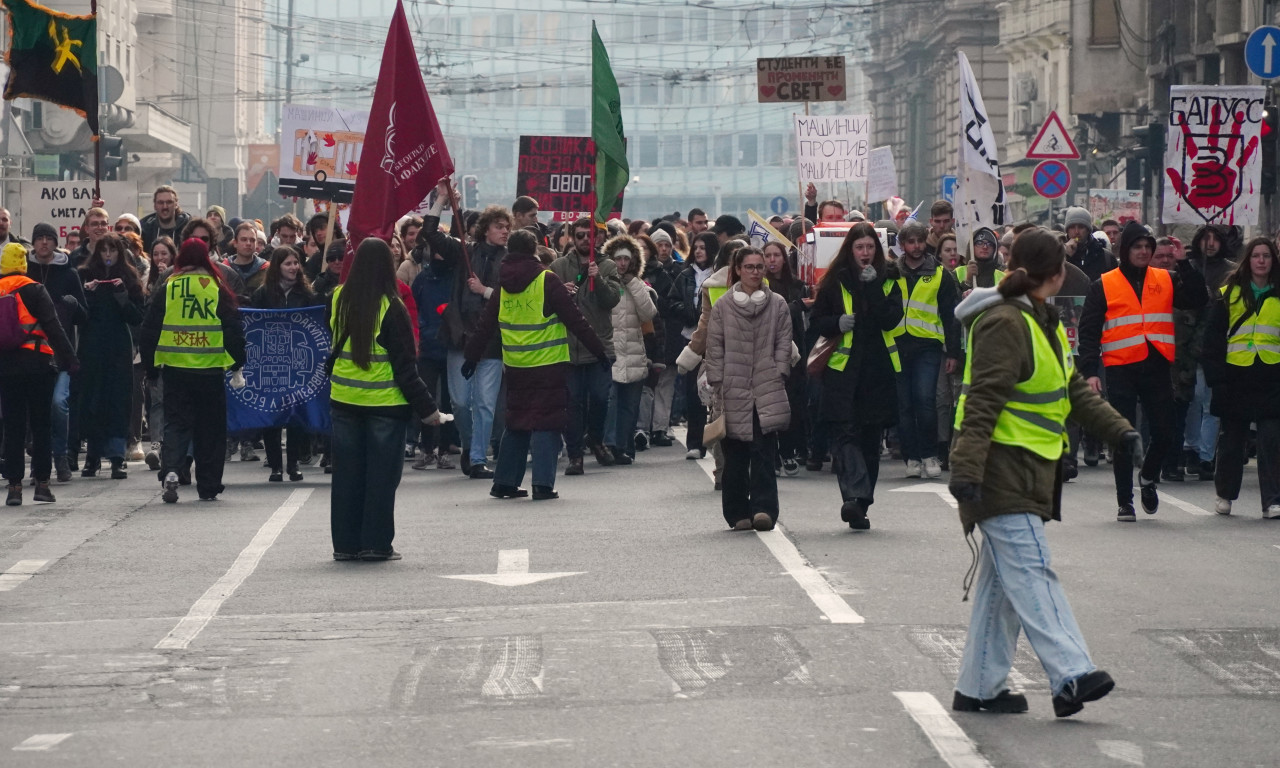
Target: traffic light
1270, 132
1152, 138
470, 192
111, 149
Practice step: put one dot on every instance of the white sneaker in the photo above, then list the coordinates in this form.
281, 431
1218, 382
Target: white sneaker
932, 468
1271, 513
914, 468
134, 453
694, 454
1223, 507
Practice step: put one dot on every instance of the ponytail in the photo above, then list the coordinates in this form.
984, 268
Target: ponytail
1016, 283
1035, 257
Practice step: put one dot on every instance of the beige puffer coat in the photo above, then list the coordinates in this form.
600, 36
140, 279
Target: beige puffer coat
635, 308
748, 359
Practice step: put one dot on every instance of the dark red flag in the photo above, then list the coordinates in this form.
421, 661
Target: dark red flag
404, 154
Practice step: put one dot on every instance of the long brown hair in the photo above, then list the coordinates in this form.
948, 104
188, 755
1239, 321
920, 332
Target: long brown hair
843, 260
94, 269
1242, 275
1036, 257
272, 280
359, 307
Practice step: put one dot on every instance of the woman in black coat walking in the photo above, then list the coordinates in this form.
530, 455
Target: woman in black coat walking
783, 282
859, 303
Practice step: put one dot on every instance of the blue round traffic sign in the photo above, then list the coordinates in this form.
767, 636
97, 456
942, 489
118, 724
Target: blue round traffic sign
1260, 52
1051, 179
779, 205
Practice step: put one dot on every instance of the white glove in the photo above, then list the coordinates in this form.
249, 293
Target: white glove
795, 353
846, 323
868, 274
237, 380
437, 418
687, 360
705, 391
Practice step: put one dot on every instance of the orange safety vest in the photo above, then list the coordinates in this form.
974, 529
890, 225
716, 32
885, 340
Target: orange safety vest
37, 340
1130, 324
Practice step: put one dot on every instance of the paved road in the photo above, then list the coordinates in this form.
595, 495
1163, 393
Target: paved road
222, 634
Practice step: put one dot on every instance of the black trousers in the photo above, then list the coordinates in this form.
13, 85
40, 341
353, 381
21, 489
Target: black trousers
195, 416
794, 440
1126, 387
750, 486
27, 399
695, 412
855, 456
435, 375
297, 437
367, 466
1233, 453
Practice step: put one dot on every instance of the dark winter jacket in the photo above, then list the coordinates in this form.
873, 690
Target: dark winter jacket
324, 283
595, 299
26, 362
253, 274
151, 229
395, 336
61, 280
106, 358
537, 398
865, 392
432, 290
948, 298
297, 298
465, 307
668, 325
1093, 258
1247, 394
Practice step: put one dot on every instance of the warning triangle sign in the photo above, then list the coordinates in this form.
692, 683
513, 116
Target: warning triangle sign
1053, 142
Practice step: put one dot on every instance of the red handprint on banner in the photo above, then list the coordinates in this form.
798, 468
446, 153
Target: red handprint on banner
1213, 165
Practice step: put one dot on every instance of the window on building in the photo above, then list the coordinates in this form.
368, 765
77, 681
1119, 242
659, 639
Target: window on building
749, 26
480, 152
673, 151
748, 156
647, 151
529, 29
672, 27
800, 24
504, 153
772, 149
551, 92
723, 150
1104, 24
697, 151
624, 25
527, 94
550, 29
649, 93
575, 122
481, 27
696, 30
504, 32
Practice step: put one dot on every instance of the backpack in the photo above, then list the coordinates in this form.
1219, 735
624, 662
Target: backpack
12, 335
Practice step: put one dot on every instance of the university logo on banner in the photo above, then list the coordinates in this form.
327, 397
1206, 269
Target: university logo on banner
1213, 158
286, 383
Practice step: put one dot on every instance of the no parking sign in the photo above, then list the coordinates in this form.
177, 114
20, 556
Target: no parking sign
1051, 179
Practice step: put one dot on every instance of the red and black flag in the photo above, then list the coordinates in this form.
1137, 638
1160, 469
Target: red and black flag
53, 57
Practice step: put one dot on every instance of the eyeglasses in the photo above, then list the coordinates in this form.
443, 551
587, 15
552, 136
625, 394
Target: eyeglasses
752, 267
125, 228
581, 235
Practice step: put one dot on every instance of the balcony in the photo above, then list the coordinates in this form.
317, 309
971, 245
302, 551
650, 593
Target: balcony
155, 130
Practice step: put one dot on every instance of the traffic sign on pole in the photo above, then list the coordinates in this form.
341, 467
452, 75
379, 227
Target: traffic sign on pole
779, 205
1051, 179
1260, 53
949, 188
1053, 142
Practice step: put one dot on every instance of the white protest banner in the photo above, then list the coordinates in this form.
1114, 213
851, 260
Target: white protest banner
882, 176
65, 203
320, 151
980, 199
1212, 159
832, 148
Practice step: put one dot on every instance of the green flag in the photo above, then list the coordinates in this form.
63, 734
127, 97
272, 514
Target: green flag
53, 57
612, 170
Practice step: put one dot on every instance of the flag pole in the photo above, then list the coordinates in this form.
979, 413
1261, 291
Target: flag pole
456, 208
595, 205
97, 103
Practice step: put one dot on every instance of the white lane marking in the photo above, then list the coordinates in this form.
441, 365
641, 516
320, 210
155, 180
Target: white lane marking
954, 747
939, 488
1124, 751
1185, 506
20, 572
823, 595
211, 602
513, 571
42, 742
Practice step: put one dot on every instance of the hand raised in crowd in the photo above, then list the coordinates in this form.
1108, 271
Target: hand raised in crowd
868, 274
811, 194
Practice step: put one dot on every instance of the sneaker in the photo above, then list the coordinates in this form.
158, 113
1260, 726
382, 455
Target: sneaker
790, 467
425, 461
499, 491
1005, 703
410, 450
742, 525
170, 495
1150, 499
575, 466
642, 441
153, 457
694, 454
932, 468
62, 466
1090, 686
660, 440
1126, 514
622, 459
1223, 507
443, 461
134, 453
544, 493
914, 468
43, 493
604, 456
246, 452
1271, 513
762, 522
377, 555
15, 495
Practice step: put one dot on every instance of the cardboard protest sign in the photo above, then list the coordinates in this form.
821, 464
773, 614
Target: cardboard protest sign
320, 151
556, 171
1123, 205
65, 203
1212, 160
882, 175
807, 78
833, 148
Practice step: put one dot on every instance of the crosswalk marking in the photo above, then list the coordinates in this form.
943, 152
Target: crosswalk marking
20, 572
954, 747
42, 742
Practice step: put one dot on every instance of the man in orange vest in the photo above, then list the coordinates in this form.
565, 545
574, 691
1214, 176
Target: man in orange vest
1127, 329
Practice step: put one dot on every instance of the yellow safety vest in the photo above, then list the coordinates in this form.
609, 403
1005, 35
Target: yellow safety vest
529, 338
191, 336
840, 358
1035, 415
714, 292
962, 274
351, 384
920, 317
1256, 338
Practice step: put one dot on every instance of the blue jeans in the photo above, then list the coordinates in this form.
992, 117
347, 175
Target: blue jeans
1017, 589
61, 413
514, 450
589, 387
368, 458
627, 411
917, 402
1201, 434
473, 402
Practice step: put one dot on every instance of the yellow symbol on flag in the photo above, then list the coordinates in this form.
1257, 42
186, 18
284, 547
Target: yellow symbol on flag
63, 47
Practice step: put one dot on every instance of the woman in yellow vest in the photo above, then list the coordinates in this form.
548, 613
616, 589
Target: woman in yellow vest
374, 390
860, 303
1019, 386
1242, 363
191, 336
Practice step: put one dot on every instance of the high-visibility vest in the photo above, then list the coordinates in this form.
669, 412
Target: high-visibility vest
529, 338
1256, 338
714, 292
962, 274
920, 317
36, 341
1130, 324
1035, 415
351, 384
840, 358
191, 336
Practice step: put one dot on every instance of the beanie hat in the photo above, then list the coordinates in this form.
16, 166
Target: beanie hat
728, 225
984, 235
129, 217
44, 230
1078, 216
13, 259
660, 236
222, 212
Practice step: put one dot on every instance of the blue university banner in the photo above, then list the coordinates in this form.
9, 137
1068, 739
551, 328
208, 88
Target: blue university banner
284, 372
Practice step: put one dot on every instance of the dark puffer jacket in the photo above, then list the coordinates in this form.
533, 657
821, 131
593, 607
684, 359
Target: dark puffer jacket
865, 392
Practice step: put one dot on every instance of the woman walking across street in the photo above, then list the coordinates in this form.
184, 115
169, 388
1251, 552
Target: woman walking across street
1020, 386
286, 287
190, 337
859, 302
1242, 365
113, 292
631, 366
748, 360
374, 390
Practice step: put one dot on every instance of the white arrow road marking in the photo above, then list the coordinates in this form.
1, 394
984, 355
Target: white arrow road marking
42, 742
938, 488
20, 572
954, 747
513, 571
1269, 43
1124, 751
